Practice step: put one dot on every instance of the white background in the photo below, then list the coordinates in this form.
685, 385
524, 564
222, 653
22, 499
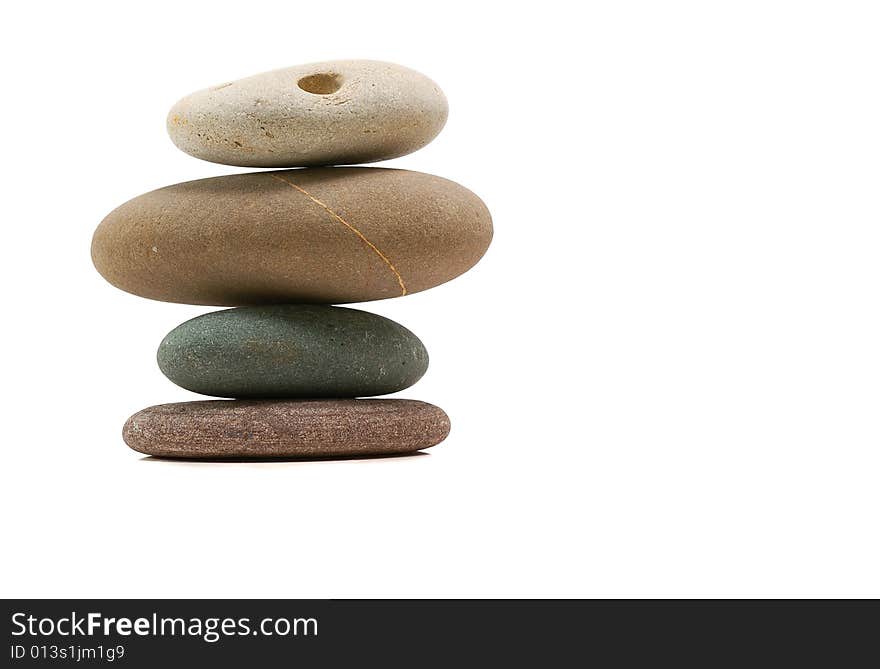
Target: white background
663, 377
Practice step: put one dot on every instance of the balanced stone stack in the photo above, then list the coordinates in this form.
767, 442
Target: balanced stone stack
281, 247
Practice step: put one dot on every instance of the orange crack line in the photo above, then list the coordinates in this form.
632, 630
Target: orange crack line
350, 227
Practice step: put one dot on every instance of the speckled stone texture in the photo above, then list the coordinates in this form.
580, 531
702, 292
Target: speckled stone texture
284, 351
339, 112
285, 429
323, 235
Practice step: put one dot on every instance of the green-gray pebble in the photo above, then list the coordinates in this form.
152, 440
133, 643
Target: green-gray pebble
295, 351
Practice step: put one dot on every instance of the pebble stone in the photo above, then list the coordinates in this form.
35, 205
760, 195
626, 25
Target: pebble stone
285, 429
339, 112
319, 235
286, 351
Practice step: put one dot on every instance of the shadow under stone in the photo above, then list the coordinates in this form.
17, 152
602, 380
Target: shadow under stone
327, 458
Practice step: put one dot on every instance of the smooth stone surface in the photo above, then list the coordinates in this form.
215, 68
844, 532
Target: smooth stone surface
339, 112
289, 429
292, 351
321, 235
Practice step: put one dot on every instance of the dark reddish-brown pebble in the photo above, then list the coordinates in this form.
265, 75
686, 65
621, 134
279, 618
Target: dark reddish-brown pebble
285, 428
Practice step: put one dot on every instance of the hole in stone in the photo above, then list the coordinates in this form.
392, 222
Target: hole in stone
323, 83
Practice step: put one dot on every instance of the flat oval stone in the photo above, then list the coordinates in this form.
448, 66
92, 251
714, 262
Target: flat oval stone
339, 112
285, 429
320, 235
292, 351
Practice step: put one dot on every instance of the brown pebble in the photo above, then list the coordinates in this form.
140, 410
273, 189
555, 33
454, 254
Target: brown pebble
323, 235
285, 428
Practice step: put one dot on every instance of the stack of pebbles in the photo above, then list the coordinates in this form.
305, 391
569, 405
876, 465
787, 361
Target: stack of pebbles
282, 246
